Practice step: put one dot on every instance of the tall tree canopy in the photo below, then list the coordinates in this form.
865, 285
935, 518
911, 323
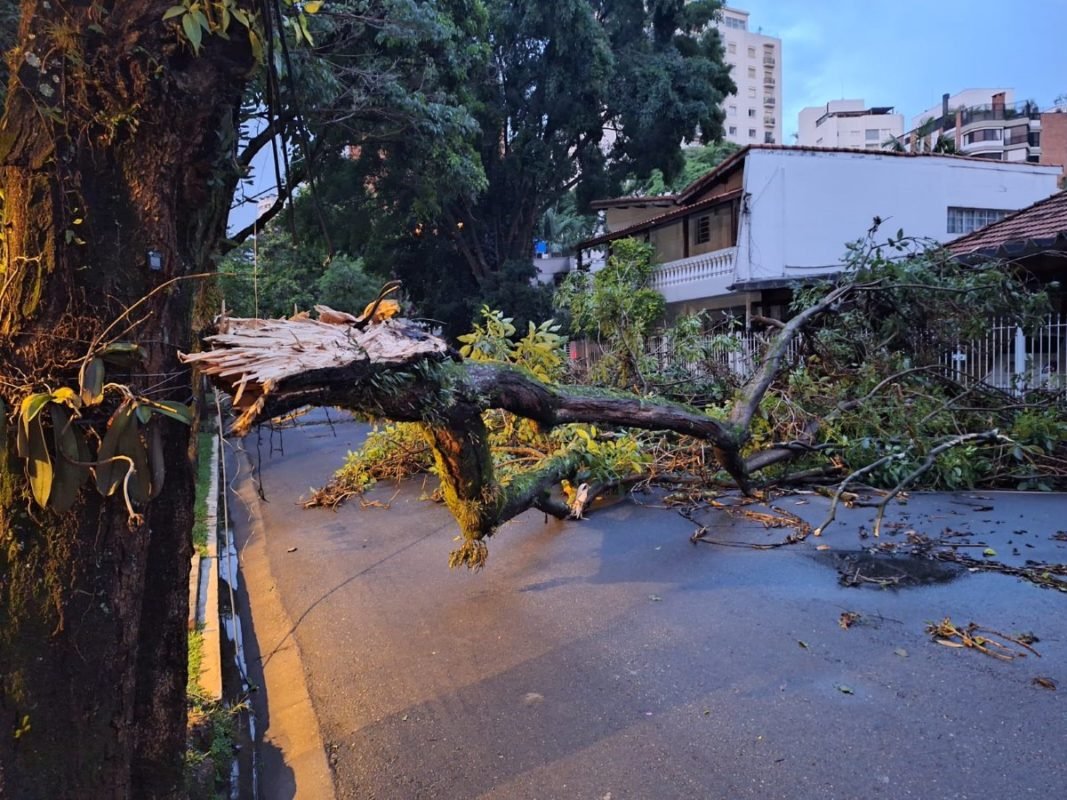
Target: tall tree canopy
574, 96
579, 94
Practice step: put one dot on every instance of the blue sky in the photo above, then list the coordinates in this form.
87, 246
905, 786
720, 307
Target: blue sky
909, 52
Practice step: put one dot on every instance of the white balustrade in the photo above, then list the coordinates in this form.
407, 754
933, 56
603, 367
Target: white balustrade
695, 268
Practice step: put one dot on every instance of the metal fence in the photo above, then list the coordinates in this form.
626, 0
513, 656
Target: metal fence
1007, 358
1014, 360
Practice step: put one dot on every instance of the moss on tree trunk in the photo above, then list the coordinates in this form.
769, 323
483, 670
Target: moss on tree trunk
108, 147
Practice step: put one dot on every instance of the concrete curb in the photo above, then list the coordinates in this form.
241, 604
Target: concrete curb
292, 758
204, 590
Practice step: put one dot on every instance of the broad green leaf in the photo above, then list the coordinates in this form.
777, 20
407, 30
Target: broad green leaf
144, 413
156, 460
22, 438
124, 354
109, 474
132, 445
32, 405
302, 26
69, 476
92, 382
193, 32
174, 11
256, 42
39, 463
174, 410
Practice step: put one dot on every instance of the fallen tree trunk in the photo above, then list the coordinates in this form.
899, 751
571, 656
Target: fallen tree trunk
394, 369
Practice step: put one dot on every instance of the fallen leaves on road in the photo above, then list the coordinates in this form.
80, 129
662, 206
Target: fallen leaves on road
848, 619
974, 636
1044, 683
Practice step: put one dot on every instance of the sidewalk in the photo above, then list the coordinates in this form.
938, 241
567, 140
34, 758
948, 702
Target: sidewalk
291, 758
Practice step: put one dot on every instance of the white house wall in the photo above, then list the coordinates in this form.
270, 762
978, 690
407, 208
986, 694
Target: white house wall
803, 206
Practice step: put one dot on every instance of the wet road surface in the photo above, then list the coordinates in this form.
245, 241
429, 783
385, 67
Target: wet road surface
613, 659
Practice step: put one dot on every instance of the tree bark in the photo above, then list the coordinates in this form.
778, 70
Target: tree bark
112, 135
392, 369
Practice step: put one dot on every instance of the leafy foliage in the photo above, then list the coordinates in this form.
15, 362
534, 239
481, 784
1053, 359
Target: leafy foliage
699, 160
56, 450
273, 276
540, 350
503, 110
618, 307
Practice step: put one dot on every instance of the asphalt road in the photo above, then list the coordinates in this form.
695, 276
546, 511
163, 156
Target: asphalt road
612, 659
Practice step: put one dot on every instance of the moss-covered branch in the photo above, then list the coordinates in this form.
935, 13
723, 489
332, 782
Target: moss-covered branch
394, 370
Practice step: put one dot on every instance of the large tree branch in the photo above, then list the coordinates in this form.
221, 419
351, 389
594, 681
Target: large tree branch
396, 370
756, 387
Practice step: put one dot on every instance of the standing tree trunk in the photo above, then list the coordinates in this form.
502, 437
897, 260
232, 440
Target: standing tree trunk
111, 146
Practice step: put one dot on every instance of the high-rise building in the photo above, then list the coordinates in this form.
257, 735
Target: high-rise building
984, 123
848, 123
754, 114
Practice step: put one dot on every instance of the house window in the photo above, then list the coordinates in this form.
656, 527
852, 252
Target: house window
733, 130
732, 48
751, 133
733, 111
871, 134
703, 229
965, 220
988, 135
752, 112
752, 52
752, 91
768, 137
752, 72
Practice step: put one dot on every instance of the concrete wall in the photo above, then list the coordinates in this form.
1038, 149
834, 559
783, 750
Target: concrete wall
804, 206
669, 242
618, 218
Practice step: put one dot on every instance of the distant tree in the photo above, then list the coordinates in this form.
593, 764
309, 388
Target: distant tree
564, 101
578, 95
272, 276
699, 160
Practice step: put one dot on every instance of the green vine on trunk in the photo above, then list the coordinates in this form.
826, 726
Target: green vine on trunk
55, 447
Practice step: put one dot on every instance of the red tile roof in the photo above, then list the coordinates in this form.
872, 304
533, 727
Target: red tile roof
726, 166
706, 181
660, 219
1042, 226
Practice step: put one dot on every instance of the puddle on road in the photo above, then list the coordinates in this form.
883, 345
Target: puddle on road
888, 571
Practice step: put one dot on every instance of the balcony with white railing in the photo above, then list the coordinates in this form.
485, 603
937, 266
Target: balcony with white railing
705, 275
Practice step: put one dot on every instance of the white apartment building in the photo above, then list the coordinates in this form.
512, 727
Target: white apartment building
754, 114
848, 123
984, 123
770, 217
